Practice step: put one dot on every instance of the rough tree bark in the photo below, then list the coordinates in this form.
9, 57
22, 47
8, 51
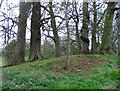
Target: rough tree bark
55, 31
106, 38
85, 30
93, 50
35, 44
20, 45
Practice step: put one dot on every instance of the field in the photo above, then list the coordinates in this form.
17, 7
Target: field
84, 72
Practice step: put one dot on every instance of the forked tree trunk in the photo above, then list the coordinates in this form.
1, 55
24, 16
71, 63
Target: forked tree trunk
55, 31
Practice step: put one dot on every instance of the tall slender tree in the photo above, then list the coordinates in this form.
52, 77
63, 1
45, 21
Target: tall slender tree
68, 34
20, 45
76, 20
55, 31
85, 30
93, 50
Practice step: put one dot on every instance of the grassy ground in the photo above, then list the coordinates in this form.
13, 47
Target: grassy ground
37, 75
2, 62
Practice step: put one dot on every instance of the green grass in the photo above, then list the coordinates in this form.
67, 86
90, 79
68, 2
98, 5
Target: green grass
35, 75
111, 58
2, 62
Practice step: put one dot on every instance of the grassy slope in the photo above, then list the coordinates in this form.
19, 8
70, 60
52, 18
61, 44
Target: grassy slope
0, 61
36, 76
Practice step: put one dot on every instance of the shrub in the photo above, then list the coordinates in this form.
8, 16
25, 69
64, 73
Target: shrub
8, 52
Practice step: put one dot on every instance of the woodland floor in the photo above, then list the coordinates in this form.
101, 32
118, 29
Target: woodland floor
83, 72
77, 64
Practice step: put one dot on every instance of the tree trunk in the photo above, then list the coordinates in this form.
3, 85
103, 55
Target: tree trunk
85, 30
55, 31
77, 30
35, 44
93, 50
20, 45
68, 36
118, 31
106, 38
78, 38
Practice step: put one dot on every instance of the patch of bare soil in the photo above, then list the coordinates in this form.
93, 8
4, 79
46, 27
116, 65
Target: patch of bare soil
77, 64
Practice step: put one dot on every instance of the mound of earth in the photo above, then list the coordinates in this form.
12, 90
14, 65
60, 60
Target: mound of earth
81, 63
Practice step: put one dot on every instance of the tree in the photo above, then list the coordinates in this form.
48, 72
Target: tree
1, 3
76, 20
106, 38
85, 30
55, 31
20, 45
93, 50
68, 35
35, 40
118, 28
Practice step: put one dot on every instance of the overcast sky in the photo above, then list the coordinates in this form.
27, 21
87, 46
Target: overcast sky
4, 9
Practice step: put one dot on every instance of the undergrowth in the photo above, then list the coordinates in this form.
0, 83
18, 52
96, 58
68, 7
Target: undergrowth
35, 75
